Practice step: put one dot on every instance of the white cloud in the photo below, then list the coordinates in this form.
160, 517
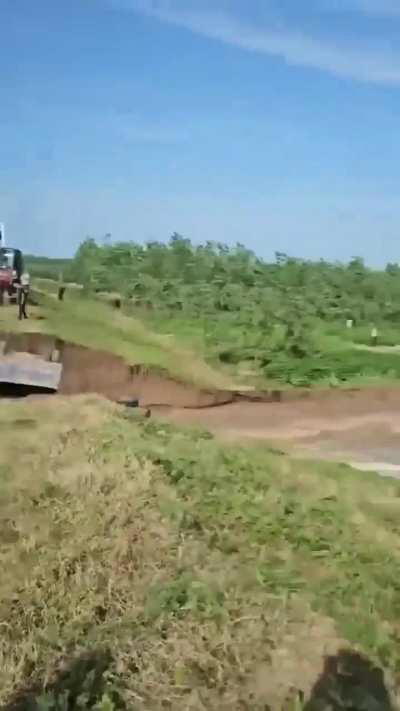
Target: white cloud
370, 59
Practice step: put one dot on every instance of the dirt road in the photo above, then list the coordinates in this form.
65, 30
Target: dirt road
361, 427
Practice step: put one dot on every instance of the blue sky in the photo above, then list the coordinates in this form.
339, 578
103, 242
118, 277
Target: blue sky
256, 121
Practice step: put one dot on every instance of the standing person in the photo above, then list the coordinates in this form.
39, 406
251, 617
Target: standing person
23, 293
374, 336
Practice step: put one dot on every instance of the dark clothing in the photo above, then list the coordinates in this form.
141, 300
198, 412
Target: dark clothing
23, 292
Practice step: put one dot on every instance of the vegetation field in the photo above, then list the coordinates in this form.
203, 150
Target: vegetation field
282, 322
152, 568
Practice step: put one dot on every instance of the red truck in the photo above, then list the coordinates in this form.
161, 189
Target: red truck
11, 269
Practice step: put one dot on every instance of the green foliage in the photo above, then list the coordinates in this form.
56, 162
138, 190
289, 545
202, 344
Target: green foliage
334, 367
241, 309
185, 594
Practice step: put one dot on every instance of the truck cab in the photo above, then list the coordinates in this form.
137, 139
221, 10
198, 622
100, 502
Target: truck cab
11, 269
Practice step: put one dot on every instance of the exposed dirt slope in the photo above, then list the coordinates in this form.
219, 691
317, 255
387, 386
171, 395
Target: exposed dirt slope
86, 370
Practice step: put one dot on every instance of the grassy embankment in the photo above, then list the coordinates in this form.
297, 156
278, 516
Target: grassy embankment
153, 568
94, 324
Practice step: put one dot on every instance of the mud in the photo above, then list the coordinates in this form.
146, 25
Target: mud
361, 428
297, 418
85, 370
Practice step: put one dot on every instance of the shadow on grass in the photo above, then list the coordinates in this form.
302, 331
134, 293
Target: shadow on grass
81, 685
349, 682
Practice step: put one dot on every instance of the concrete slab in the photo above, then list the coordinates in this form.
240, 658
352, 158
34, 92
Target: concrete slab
27, 369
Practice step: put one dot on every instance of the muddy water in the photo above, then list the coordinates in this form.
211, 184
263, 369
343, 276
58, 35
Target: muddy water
362, 429
369, 448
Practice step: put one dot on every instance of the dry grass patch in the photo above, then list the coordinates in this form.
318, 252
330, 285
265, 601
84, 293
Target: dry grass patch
151, 568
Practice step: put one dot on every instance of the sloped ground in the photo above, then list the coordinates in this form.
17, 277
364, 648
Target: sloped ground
41, 361
152, 568
96, 325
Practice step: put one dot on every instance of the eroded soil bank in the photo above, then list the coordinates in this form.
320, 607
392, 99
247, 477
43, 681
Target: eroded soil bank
85, 370
361, 427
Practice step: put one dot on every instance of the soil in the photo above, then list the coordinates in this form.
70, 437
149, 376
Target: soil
359, 427
85, 370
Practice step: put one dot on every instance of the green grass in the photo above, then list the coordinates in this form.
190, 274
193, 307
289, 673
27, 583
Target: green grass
95, 324
152, 568
334, 363
342, 367
388, 334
